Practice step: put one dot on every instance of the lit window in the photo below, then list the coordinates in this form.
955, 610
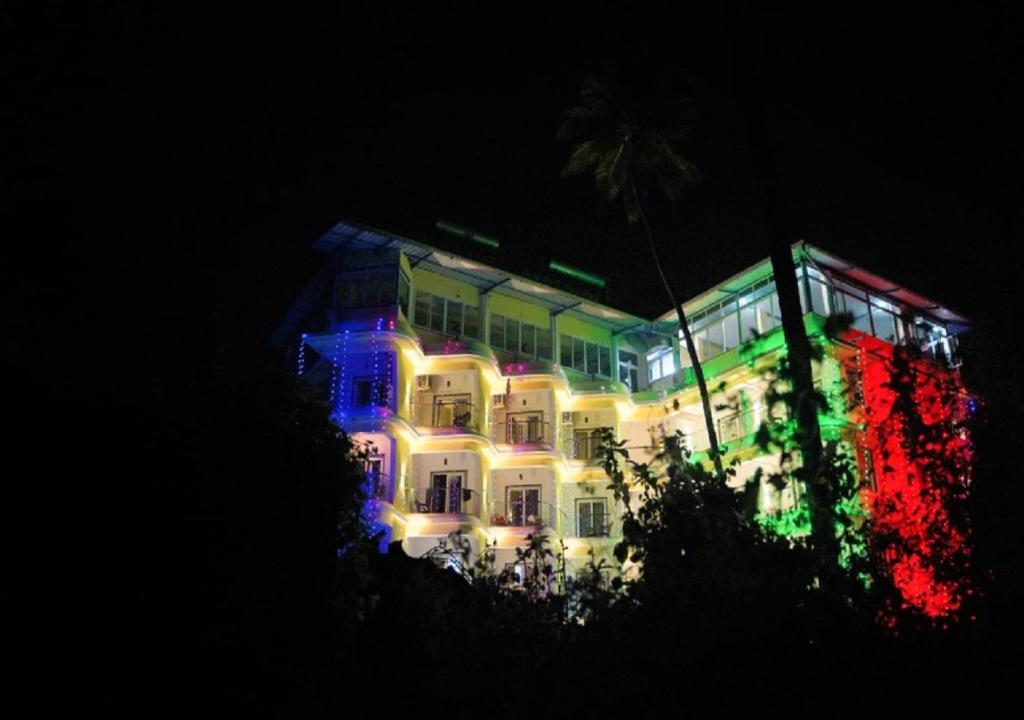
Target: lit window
592, 517
660, 363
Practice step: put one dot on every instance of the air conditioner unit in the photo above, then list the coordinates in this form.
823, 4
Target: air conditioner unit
423, 382
566, 418
497, 402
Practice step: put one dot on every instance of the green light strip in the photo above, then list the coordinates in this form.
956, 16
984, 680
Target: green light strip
468, 234
577, 273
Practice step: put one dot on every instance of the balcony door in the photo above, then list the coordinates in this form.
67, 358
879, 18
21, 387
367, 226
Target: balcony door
522, 505
453, 410
445, 495
524, 427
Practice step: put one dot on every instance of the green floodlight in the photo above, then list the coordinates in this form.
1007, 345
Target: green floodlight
468, 234
583, 275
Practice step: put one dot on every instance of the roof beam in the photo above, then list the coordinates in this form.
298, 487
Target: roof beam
558, 311
492, 286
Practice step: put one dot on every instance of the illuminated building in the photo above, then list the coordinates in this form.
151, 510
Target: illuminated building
482, 390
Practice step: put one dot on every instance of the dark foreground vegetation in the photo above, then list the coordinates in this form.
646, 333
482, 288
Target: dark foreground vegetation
241, 601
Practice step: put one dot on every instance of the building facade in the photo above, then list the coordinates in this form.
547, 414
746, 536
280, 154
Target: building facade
482, 392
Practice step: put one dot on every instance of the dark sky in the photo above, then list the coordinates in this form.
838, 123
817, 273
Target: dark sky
206, 152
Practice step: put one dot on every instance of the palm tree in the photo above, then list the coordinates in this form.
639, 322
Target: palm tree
630, 155
798, 347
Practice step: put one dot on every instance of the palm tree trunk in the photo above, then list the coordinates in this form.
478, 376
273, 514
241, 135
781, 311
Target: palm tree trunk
823, 539
808, 429
702, 387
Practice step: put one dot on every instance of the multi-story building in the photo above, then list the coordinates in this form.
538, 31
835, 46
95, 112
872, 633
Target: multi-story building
482, 391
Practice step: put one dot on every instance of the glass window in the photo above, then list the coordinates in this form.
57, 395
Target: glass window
819, 298
453, 322
565, 351
511, 334
592, 354
437, 313
748, 323
592, 517
578, 361
731, 331
715, 341
403, 293
527, 343
422, 315
764, 311
498, 331
660, 363
885, 324
859, 309
471, 322
544, 343
604, 361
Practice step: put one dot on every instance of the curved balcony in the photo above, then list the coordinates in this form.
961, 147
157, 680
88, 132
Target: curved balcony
582, 444
529, 432
448, 416
460, 346
600, 387
453, 499
531, 367
524, 513
592, 525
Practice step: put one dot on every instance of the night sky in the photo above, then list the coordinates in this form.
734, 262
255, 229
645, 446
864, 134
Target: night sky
213, 150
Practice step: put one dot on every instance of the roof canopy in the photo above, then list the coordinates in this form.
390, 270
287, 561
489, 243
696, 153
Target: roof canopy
484, 278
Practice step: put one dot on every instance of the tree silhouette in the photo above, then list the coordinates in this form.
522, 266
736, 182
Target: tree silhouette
631, 154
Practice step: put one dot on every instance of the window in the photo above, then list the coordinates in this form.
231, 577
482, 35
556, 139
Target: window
592, 517
403, 293
446, 316
367, 392
586, 443
446, 492
565, 352
524, 427
522, 505
471, 322
453, 321
453, 411
628, 364
528, 340
660, 364
531, 341
585, 356
544, 343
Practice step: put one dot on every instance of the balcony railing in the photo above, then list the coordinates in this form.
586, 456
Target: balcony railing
581, 444
583, 526
523, 431
523, 513
447, 414
452, 499
731, 427
378, 484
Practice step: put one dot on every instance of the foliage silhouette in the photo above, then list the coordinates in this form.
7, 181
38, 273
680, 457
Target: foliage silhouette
632, 152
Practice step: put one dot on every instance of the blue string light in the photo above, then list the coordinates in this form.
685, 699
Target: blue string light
302, 355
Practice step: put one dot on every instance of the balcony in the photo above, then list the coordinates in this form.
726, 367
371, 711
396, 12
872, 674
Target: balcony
523, 431
593, 525
523, 512
730, 428
581, 444
456, 415
460, 346
453, 499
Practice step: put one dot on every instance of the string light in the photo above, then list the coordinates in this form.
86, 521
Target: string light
302, 355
